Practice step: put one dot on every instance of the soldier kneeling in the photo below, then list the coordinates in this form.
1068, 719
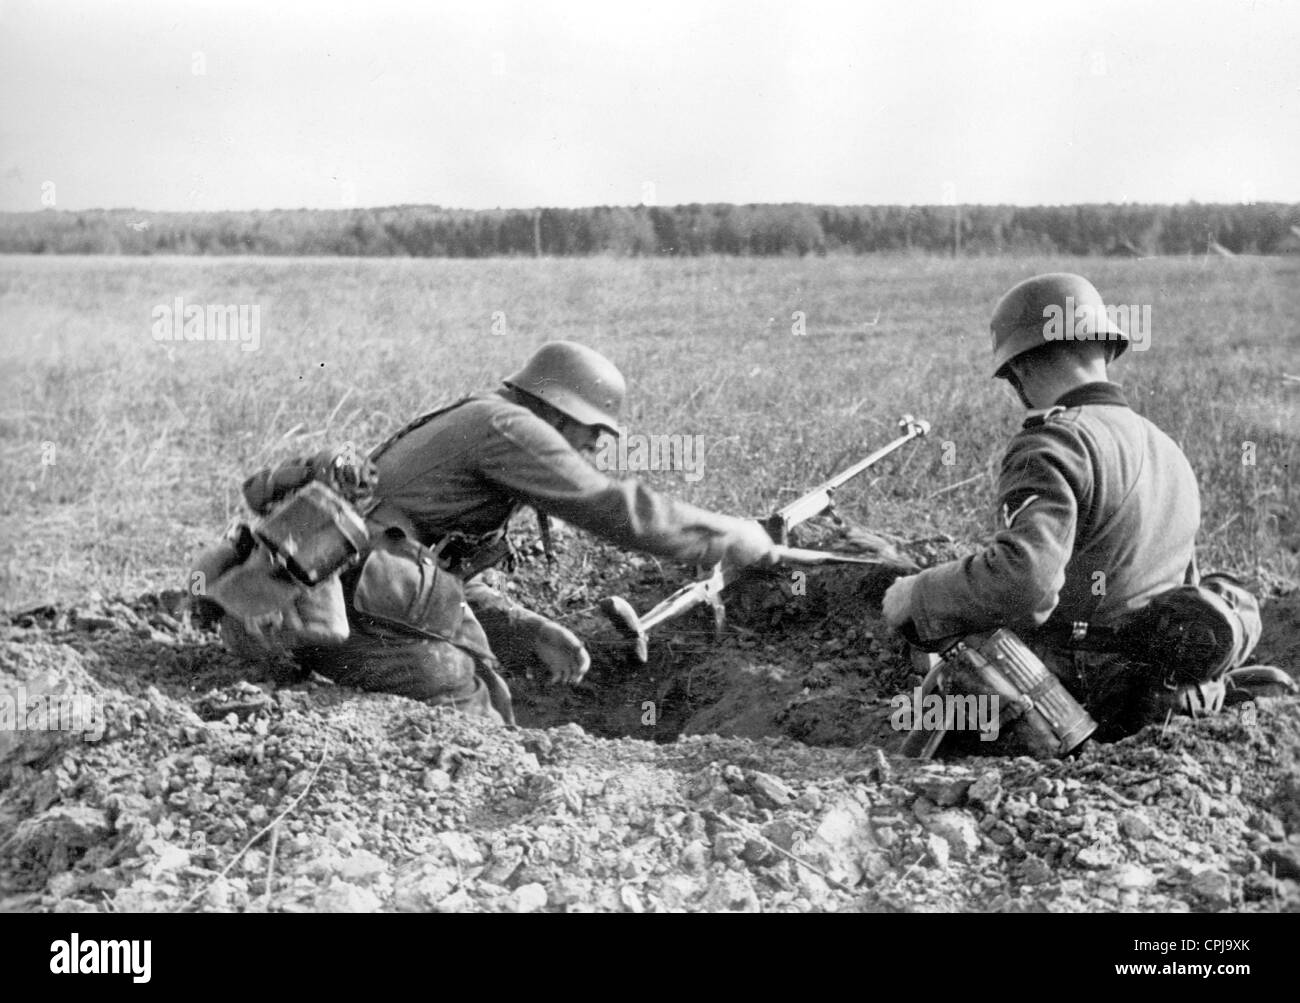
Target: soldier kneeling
1099, 511
408, 612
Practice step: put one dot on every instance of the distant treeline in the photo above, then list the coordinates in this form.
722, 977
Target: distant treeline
429, 231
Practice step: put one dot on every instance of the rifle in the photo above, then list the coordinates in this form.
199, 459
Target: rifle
708, 591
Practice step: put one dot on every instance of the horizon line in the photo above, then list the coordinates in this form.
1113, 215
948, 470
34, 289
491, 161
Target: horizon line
49, 210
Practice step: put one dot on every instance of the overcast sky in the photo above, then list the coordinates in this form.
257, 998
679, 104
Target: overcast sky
279, 104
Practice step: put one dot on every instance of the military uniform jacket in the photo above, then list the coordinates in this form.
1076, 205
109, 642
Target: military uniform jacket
1098, 511
470, 467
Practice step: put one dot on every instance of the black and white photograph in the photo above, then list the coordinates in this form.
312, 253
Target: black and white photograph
554, 456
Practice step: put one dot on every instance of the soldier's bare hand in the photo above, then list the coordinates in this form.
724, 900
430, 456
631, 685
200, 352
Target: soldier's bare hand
559, 650
897, 604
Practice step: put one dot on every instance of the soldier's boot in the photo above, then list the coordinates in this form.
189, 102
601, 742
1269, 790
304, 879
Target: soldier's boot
1251, 681
1194, 700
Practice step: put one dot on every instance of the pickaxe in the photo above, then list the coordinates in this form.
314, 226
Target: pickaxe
708, 591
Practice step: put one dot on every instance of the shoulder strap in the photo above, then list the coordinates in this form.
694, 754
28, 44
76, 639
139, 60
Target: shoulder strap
411, 426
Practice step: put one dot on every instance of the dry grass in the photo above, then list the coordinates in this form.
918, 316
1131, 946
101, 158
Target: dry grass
152, 440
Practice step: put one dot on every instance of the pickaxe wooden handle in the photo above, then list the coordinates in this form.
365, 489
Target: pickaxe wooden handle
707, 591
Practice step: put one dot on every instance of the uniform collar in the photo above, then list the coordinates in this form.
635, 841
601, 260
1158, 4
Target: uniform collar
1089, 393
1093, 393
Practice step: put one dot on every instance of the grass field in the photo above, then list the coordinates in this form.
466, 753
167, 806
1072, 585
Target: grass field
121, 455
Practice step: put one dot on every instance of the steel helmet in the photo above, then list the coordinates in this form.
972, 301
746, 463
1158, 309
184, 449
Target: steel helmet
1048, 308
575, 380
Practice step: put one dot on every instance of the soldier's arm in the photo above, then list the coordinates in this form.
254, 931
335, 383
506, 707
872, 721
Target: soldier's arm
1016, 580
519, 637
511, 629
531, 461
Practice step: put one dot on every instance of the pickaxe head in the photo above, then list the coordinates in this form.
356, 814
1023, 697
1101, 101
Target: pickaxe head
619, 612
914, 426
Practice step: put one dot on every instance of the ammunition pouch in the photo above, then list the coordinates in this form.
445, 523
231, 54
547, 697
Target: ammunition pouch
402, 586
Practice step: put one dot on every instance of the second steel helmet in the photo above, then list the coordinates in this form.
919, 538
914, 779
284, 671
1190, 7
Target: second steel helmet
575, 380
1059, 306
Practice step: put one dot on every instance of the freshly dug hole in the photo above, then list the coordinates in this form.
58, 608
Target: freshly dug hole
804, 655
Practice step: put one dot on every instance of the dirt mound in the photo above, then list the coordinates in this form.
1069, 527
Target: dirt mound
768, 783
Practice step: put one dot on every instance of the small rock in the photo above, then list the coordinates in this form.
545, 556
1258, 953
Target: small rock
958, 829
201, 768
435, 780
62, 885
944, 791
1132, 876
937, 847
677, 891
882, 771
458, 847
541, 746
769, 791
694, 856
756, 852
1034, 871
732, 892
810, 800
986, 792
526, 898
1268, 823
630, 899
1097, 858
1146, 790
1213, 889
1259, 887
568, 890
342, 835
218, 894
1282, 859
457, 901
728, 845
782, 832
1135, 826
60, 830
422, 888
362, 867
502, 864
341, 896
